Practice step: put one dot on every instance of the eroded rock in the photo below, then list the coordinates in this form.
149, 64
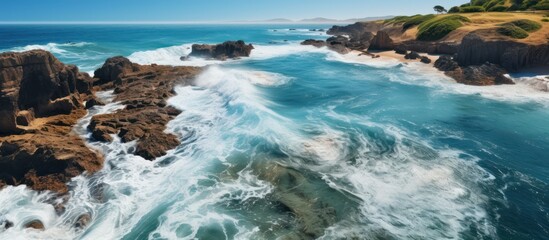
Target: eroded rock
223, 51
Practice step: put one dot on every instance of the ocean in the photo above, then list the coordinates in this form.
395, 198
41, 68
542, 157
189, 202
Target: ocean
299, 142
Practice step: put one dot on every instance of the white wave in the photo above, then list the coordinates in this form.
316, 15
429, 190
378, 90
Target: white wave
298, 31
170, 56
56, 48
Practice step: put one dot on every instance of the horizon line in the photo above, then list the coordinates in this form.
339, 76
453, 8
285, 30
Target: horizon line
163, 22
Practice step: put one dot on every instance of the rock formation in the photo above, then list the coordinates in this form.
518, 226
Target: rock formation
512, 56
223, 51
313, 42
42, 153
480, 75
382, 41
143, 89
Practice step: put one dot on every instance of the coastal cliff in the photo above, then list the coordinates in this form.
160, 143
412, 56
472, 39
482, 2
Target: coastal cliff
479, 54
40, 100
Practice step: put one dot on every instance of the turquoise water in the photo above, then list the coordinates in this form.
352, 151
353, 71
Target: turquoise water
301, 142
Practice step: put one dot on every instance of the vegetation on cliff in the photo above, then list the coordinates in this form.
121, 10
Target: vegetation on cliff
436, 29
519, 29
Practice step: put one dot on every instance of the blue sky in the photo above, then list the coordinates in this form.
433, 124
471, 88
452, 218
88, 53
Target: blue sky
208, 10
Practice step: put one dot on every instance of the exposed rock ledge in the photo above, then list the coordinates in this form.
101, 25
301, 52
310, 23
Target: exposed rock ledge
41, 100
144, 90
42, 153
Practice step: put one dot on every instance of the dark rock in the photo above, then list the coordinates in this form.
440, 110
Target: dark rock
425, 59
82, 221
36, 224
382, 41
431, 47
400, 49
412, 55
8, 224
94, 102
511, 55
355, 30
102, 133
338, 44
446, 63
313, 42
25, 117
229, 49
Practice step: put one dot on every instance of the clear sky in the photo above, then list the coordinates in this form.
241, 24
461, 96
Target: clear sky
208, 10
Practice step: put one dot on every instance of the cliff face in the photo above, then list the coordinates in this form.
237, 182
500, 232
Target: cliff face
511, 55
37, 82
42, 153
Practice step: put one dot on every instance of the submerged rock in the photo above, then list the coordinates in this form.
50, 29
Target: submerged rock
36, 224
223, 51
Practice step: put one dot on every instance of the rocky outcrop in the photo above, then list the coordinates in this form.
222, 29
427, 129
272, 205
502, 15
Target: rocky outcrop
511, 55
223, 51
40, 100
449, 48
143, 89
479, 75
355, 30
313, 42
382, 41
37, 82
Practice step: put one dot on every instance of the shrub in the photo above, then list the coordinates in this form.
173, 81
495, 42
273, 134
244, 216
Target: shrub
526, 25
472, 9
545, 20
454, 9
498, 8
478, 2
465, 5
512, 31
436, 29
410, 21
541, 6
416, 20
492, 3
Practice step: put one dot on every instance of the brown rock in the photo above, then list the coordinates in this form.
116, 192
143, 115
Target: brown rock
146, 114
36, 80
36, 224
42, 153
382, 41
82, 221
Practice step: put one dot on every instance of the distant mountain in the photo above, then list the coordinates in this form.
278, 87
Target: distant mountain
320, 20
326, 20
278, 20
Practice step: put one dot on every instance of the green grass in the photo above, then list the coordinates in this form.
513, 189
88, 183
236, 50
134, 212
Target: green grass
513, 31
410, 21
498, 8
527, 25
436, 29
472, 9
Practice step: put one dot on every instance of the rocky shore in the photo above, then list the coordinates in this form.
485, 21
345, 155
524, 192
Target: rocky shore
478, 57
41, 99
